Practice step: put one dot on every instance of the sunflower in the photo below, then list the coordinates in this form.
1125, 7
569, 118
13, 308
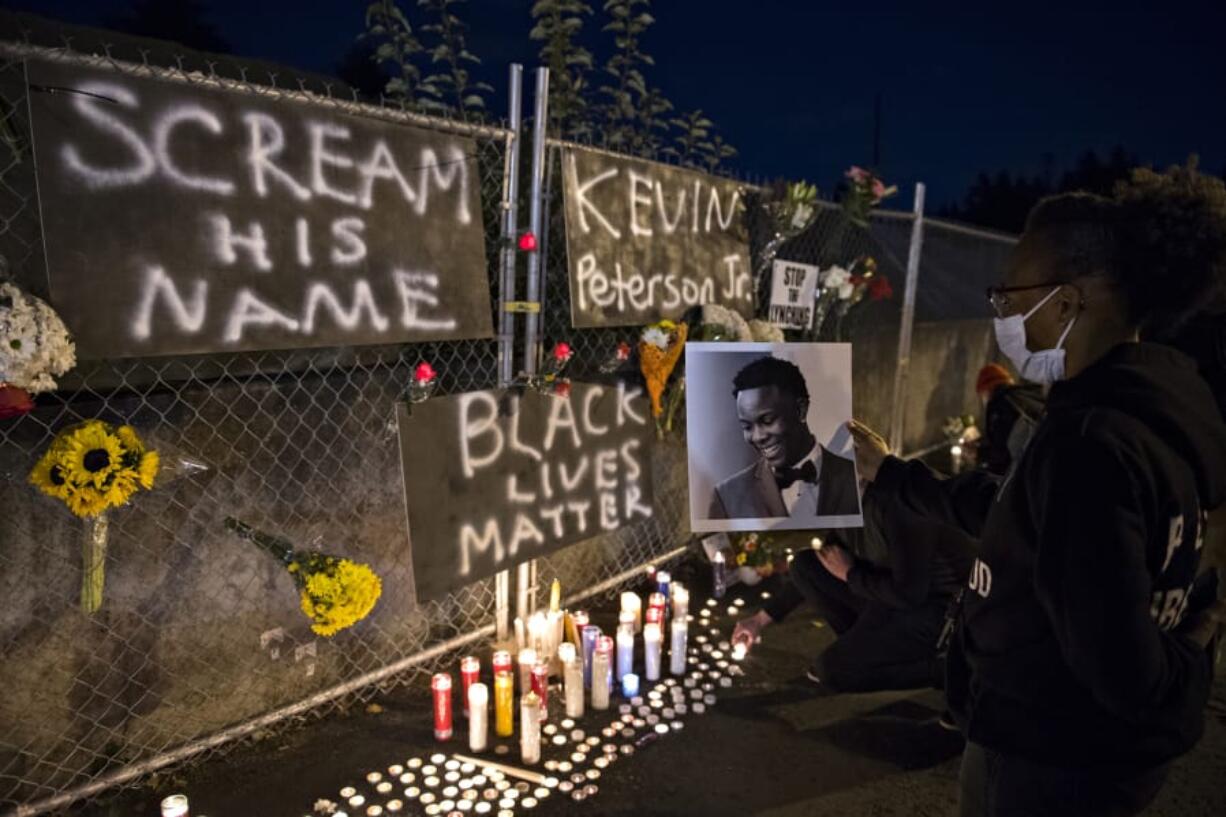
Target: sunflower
48, 476
93, 456
147, 469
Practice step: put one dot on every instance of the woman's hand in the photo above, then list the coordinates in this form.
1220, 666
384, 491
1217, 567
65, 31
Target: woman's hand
748, 630
871, 449
836, 560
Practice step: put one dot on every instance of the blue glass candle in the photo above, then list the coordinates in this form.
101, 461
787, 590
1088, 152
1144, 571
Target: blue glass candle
590, 633
630, 685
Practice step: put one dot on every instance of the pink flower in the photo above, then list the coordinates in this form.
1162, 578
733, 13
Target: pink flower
562, 388
562, 352
14, 401
858, 174
424, 373
878, 189
623, 351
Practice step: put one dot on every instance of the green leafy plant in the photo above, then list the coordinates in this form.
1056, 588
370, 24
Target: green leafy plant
557, 24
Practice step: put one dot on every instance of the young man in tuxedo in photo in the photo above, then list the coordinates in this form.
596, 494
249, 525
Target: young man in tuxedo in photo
795, 476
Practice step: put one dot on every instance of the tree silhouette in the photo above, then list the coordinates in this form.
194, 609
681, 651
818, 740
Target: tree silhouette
557, 28
183, 21
1002, 201
451, 91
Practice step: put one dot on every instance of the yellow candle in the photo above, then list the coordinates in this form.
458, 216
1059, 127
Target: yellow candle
555, 596
504, 704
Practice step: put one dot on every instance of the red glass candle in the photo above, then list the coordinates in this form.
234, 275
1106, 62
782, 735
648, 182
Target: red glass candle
470, 673
441, 685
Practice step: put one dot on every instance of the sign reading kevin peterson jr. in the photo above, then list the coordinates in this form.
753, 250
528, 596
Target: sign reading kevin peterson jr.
494, 478
181, 218
646, 241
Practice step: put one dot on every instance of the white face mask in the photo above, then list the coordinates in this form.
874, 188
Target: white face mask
1045, 366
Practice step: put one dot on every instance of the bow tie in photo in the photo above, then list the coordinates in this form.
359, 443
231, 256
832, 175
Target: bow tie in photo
788, 476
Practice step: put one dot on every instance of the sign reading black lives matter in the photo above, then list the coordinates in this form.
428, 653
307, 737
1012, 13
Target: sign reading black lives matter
646, 241
494, 478
182, 219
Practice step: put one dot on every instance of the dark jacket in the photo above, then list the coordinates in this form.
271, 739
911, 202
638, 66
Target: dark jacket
902, 560
1069, 652
751, 493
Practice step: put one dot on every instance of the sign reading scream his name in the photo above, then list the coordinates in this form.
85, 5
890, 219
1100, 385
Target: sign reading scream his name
179, 219
646, 241
493, 478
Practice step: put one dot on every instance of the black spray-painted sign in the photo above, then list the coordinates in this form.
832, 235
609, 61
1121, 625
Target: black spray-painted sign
793, 286
494, 478
182, 218
646, 241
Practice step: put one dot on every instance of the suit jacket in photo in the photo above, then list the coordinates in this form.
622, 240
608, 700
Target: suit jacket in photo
753, 494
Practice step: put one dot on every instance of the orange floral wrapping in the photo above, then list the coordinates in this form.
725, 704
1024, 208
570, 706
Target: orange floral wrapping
657, 364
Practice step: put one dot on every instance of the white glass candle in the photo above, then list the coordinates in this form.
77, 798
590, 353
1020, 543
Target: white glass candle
633, 603
478, 717
556, 620
530, 728
651, 651
572, 678
527, 660
536, 633
681, 601
625, 651
677, 647
600, 680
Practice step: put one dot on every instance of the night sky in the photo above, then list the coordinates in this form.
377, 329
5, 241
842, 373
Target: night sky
791, 83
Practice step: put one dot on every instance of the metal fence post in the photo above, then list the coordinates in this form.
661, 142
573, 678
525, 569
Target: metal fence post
906, 326
527, 578
506, 293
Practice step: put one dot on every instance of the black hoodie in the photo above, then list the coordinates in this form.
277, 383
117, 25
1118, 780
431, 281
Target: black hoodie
1069, 652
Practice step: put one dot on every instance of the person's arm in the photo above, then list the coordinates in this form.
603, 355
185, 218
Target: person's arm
1092, 579
905, 583
783, 602
961, 501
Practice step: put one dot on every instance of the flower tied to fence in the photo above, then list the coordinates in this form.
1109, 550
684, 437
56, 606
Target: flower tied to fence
334, 593
660, 348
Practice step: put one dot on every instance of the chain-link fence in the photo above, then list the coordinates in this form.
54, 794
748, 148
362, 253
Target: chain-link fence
199, 641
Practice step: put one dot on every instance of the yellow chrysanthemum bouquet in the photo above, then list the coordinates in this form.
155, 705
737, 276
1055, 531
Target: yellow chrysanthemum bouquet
334, 593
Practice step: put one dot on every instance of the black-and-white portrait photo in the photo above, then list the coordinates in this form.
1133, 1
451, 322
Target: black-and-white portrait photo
768, 443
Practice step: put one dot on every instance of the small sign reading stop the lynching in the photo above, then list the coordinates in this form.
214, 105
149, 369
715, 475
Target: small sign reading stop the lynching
793, 286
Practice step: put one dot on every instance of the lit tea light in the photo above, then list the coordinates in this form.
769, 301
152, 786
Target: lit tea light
732, 610
627, 749
564, 767
412, 792
438, 758
407, 777
427, 798
429, 770
348, 791
384, 788
709, 700
483, 808
593, 774
451, 792
467, 768
559, 740
601, 762
446, 805
373, 777
395, 770
432, 782
711, 602
541, 792
528, 802
577, 757
415, 763
395, 805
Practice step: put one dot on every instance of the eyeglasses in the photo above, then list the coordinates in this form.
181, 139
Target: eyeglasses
998, 297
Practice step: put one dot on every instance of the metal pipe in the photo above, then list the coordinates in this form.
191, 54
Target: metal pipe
535, 210
510, 226
907, 324
22, 51
506, 293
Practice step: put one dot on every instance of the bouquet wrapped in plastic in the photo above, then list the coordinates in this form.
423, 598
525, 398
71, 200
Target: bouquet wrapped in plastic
334, 593
93, 467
